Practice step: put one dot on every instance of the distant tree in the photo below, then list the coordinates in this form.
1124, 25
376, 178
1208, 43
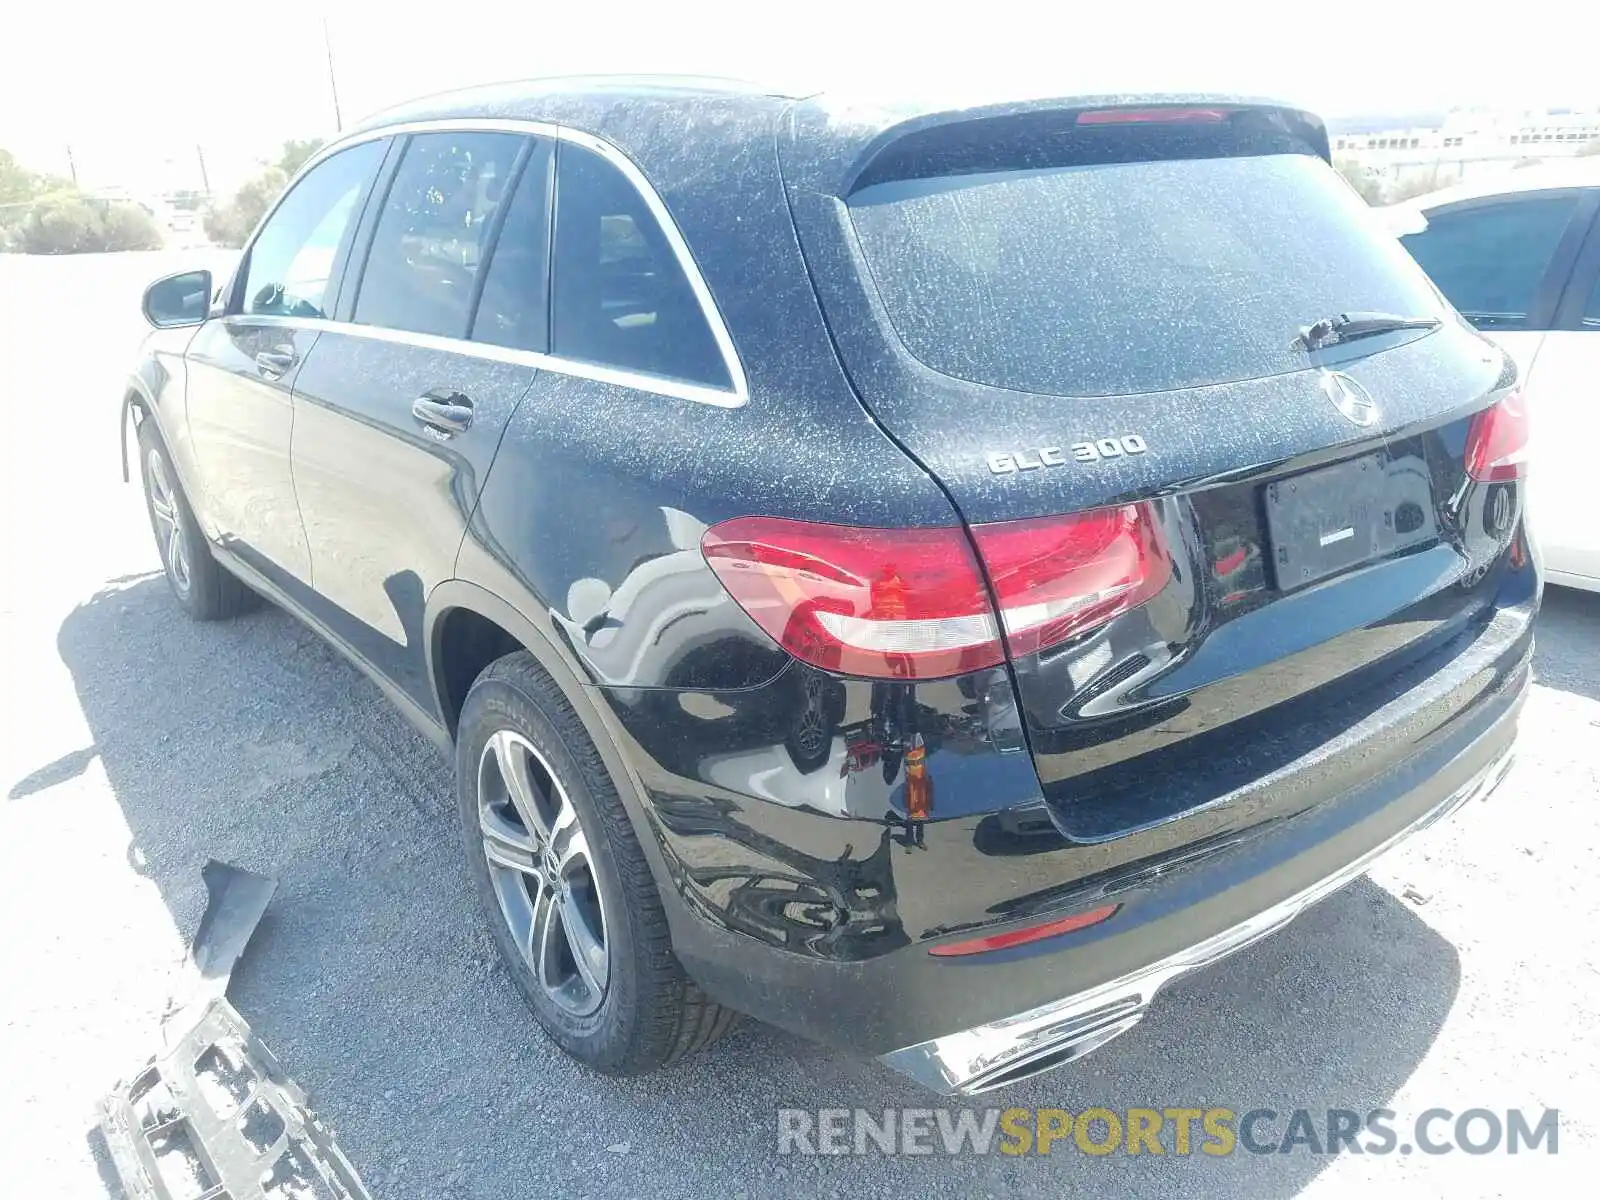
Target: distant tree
230, 224
16, 189
296, 152
129, 227
1378, 192
1416, 186
43, 214
19, 188
17, 183
1367, 187
68, 222
1589, 148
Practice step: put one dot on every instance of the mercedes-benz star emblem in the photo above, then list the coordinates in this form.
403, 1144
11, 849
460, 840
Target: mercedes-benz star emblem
1350, 398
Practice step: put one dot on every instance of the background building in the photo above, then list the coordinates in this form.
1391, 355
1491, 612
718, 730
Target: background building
1406, 154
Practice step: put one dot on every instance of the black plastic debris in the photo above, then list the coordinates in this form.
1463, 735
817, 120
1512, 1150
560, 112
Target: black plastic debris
236, 900
213, 1116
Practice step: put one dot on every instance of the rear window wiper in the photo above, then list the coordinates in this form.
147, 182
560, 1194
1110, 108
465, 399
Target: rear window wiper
1345, 327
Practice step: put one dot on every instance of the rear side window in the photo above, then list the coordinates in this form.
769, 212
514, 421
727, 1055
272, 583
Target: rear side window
620, 297
513, 309
429, 241
302, 243
1118, 277
1489, 259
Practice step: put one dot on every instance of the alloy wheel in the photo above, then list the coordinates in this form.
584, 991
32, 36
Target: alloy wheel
812, 732
168, 523
543, 874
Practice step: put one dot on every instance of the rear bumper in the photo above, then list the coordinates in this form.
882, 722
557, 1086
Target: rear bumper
966, 1023
992, 1055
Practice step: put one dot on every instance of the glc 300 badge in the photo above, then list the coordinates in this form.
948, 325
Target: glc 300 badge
1009, 462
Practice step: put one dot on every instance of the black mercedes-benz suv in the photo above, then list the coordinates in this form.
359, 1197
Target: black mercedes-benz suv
924, 577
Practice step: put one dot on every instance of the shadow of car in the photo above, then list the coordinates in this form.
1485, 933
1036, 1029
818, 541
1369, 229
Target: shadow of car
374, 980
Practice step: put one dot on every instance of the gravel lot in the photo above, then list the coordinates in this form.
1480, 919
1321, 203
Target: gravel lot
1463, 974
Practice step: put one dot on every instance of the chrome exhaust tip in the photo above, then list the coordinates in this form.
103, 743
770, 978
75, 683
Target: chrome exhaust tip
1044, 1050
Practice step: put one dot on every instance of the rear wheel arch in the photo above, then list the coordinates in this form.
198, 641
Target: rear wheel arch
461, 615
465, 643
468, 627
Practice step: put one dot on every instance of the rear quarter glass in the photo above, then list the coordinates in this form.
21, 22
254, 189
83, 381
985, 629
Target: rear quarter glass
1116, 278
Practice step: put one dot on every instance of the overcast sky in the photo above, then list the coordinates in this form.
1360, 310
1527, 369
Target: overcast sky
238, 78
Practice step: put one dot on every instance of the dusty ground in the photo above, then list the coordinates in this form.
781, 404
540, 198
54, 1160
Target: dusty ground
137, 744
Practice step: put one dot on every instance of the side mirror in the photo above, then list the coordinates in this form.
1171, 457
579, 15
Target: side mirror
183, 299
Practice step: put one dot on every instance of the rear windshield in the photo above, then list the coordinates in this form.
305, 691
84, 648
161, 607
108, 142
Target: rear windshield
1123, 277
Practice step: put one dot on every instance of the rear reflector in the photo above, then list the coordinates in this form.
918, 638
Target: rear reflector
1021, 937
1497, 442
912, 603
1153, 116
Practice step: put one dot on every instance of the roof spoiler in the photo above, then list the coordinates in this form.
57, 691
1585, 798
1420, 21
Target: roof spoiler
1024, 134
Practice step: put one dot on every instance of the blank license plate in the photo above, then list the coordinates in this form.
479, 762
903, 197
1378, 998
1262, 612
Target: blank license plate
1338, 517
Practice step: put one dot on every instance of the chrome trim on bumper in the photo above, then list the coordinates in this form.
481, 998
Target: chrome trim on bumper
1004, 1051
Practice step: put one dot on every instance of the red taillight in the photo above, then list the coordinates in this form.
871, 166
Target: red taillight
898, 603
1057, 576
1153, 116
912, 603
1021, 937
1497, 442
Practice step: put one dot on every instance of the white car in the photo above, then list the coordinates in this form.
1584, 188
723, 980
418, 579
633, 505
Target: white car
1519, 257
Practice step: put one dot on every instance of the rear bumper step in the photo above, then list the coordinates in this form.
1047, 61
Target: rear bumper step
1013, 1048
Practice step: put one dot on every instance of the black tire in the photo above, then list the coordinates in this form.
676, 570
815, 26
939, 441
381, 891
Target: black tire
651, 1014
206, 590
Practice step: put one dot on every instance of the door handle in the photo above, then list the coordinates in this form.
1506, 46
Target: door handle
275, 362
443, 409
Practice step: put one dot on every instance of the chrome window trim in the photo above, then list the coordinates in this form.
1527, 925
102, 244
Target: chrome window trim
659, 385
679, 389
680, 249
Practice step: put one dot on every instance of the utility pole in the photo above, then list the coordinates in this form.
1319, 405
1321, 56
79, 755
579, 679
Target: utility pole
205, 180
72, 166
333, 85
